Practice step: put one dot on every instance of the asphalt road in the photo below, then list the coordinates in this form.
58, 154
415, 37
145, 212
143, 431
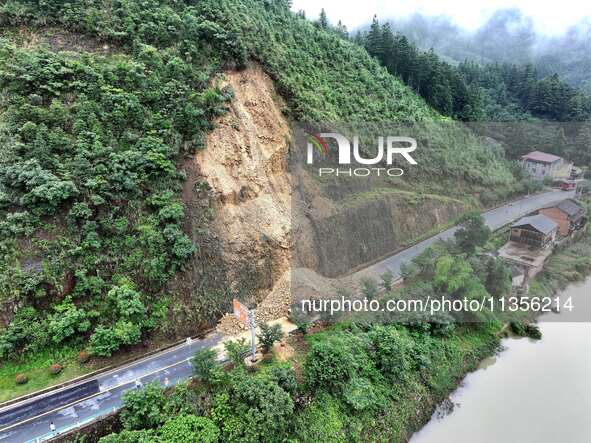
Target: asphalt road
174, 364
494, 218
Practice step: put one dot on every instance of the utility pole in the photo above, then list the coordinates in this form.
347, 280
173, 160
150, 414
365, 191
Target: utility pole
253, 333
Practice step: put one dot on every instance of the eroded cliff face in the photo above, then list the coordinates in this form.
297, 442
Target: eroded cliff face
245, 164
368, 227
246, 219
238, 199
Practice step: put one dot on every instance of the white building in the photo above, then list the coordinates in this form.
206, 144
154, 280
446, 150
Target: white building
541, 165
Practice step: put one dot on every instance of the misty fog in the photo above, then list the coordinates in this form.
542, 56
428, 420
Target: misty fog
508, 36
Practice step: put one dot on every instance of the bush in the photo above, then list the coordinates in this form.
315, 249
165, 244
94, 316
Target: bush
189, 428
285, 377
533, 332
236, 350
322, 421
67, 322
269, 335
186, 399
391, 352
21, 379
143, 408
369, 288
517, 328
206, 367
142, 436
360, 394
328, 366
55, 369
106, 340
82, 357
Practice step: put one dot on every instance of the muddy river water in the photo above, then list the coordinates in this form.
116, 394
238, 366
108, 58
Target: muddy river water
532, 392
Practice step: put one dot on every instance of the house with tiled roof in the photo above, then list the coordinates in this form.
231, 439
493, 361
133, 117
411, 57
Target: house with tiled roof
536, 230
541, 165
568, 214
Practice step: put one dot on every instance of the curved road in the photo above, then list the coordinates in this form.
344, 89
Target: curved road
495, 218
174, 364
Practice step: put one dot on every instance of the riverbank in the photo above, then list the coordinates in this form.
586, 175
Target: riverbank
569, 265
539, 390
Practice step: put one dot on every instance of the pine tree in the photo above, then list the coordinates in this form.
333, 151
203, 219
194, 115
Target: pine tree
388, 46
374, 40
341, 30
323, 20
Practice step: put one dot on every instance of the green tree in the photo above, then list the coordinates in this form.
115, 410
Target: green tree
387, 278
498, 277
236, 350
127, 302
455, 277
369, 288
143, 408
375, 39
206, 367
269, 335
341, 30
472, 232
323, 20
253, 409
105, 340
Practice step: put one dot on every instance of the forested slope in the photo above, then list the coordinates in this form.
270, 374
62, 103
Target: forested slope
91, 140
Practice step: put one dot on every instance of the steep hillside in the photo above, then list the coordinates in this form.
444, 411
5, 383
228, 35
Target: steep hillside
242, 182
122, 215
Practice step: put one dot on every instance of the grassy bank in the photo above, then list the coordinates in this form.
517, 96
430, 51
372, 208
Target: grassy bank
37, 371
414, 376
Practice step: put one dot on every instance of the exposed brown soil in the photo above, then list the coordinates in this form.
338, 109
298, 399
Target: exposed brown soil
247, 210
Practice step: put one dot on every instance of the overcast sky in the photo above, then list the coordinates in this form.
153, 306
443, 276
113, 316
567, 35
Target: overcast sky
549, 17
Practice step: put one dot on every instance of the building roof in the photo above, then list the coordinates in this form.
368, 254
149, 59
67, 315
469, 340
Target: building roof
539, 156
540, 223
569, 207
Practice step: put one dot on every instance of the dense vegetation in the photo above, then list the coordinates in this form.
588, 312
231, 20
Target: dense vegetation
471, 91
363, 378
508, 36
360, 377
89, 187
513, 92
91, 141
356, 383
